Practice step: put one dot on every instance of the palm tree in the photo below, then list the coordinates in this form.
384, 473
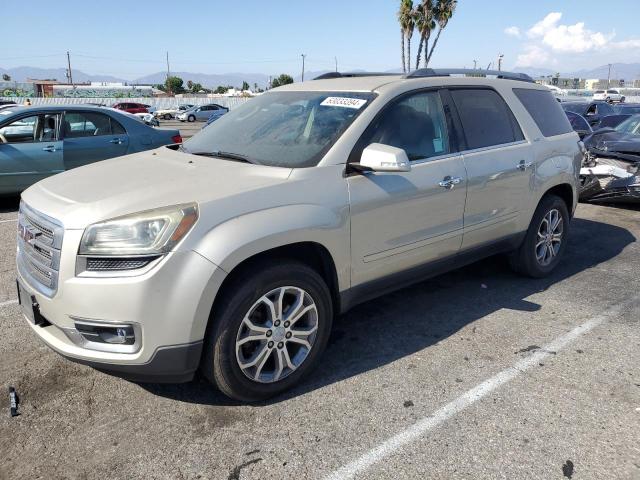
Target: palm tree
405, 18
443, 12
424, 24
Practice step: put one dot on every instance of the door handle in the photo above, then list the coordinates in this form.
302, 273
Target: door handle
117, 141
449, 182
49, 148
524, 165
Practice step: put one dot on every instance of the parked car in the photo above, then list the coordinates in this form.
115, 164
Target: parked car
169, 113
592, 111
131, 107
202, 113
36, 142
611, 169
608, 96
6, 106
216, 116
579, 124
234, 252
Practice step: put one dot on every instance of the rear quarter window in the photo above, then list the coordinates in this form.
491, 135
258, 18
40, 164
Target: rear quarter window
545, 111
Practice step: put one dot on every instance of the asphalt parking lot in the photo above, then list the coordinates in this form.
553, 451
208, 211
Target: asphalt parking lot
477, 374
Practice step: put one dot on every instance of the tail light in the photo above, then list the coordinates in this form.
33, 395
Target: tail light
176, 139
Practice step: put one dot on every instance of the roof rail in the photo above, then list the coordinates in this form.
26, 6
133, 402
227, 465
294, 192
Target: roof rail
328, 75
447, 72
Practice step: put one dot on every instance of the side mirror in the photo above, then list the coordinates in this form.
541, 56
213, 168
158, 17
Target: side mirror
384, 158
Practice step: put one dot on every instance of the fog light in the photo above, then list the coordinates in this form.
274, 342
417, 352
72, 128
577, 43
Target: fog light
101, 333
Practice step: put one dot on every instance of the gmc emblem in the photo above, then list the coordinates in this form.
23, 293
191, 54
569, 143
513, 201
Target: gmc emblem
26, 234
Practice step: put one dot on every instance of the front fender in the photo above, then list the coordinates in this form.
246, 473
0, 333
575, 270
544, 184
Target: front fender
231, 242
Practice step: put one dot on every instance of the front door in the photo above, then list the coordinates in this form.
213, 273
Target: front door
403, 220
30, 150
90, 137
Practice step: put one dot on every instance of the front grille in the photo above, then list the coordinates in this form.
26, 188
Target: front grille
39, 245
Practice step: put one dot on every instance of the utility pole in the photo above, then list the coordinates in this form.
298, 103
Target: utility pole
336, 59
609, 77
303, 56
69, 75
475, 64
500, 57
168, 71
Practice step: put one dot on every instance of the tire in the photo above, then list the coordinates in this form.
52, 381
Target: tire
191, 118
539, 261
222, 357
167, 116
608, 100
622, 100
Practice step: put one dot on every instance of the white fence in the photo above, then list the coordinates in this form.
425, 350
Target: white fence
161, 102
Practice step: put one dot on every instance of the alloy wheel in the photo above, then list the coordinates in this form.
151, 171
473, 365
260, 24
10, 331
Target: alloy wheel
549, 238
277, 334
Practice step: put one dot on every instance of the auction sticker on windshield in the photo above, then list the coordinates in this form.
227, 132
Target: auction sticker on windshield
343, 102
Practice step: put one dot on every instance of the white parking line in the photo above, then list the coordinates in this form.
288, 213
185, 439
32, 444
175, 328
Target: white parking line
7, 221
10, 302
417, 430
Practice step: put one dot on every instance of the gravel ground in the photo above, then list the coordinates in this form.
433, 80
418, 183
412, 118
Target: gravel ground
394, 397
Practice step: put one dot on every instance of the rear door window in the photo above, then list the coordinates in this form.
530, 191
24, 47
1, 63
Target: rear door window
86, 124
486, 119
545, 111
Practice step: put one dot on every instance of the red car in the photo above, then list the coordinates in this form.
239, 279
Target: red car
131, 107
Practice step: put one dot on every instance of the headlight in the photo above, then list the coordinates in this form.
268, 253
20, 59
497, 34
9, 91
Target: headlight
147, 233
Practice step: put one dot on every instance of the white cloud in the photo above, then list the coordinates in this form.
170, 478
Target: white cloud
534, 56
549, 41
568, 38
512, 31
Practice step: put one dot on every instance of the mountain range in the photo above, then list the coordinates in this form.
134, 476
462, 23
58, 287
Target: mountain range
626, 71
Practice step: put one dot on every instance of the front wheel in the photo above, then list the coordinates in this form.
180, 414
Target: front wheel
269, 331
545, 240
191, 118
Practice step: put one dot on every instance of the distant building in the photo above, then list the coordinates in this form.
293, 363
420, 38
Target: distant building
603, 84
562, 82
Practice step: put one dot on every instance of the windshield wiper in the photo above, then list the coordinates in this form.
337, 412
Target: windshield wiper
226, 155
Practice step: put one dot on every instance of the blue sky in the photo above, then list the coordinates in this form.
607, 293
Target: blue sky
129, 39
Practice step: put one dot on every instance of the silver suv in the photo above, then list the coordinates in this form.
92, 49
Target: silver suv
232, 253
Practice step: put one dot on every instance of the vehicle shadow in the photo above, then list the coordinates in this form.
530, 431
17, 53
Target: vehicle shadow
407, 321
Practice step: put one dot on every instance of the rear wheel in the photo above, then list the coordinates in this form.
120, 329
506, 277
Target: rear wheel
269, 332
545, 240
167, 116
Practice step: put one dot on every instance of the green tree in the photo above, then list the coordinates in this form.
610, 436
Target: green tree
444, 10
221, 89
406, 20
6, 77
195, 87
245, 86
425, 24
190, 85
283, 79
174, 85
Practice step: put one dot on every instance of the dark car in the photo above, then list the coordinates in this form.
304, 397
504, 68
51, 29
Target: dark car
36, 142
594, 112
625, 138
131, 107
627, 108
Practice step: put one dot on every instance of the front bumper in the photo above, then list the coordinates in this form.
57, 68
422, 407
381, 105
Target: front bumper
169, 305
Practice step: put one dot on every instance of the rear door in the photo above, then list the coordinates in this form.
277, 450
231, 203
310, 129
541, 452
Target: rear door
30, 150
403, 220
498, 160
90, 137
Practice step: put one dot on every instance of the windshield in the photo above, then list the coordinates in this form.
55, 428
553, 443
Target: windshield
284, 129
630, 126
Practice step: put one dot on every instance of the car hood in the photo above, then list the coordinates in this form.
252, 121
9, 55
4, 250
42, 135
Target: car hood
615, 142
145, 181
